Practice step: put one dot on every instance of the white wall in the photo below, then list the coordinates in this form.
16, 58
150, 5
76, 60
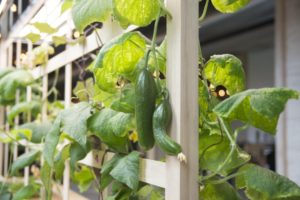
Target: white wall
287, 74
259, 67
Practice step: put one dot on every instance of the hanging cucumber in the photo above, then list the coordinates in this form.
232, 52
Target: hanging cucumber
145, 91
161, 120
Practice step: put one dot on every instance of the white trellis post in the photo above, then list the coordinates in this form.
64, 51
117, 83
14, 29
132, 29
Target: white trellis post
28, 99
68, 95
182, 81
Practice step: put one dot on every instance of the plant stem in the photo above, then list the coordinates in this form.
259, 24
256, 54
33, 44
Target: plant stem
204, 11
240, 129
153, 45
225, 178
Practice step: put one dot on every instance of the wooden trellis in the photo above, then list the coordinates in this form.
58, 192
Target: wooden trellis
178, 179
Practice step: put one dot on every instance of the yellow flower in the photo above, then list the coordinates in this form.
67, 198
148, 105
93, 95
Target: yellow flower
133, 136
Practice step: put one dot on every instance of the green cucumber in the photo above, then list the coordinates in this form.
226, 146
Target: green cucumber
145, 91
161, 120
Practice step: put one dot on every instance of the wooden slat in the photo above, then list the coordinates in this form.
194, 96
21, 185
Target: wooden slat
68, 95
24, 19
182, 82
151, 171
109, 31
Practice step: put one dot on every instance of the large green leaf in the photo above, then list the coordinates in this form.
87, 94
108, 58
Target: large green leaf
263, 184
74, 122
33, 107
26, 192
119, 57
59, 162
225, 70
161, 56
106, 178
85, 12
127, 170
51, 141
229, 6
222, 191
150, 192
216, 154
24, 160
77, 152
46, 178
84, 178
38, 130
84, 90
136, 12
44, 27
12, 81
259, 107
112, 128
122, 101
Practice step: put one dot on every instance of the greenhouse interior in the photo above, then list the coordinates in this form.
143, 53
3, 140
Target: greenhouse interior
149, 99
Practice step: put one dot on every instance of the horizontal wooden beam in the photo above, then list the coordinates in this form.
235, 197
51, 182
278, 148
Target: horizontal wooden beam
108, 32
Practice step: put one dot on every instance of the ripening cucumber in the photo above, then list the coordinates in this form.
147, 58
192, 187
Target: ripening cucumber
161, 119
145, 91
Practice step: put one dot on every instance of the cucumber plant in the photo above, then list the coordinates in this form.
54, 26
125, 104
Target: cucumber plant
125, 109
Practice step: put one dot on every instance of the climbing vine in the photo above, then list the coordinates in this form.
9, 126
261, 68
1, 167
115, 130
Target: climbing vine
124, 110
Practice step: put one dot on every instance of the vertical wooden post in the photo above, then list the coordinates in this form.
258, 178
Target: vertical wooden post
3, 59
6, 150
182, 81
1, 144
44, 115
16, 120
68, 96
28, 99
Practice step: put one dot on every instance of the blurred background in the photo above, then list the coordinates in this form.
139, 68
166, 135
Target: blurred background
265, 36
